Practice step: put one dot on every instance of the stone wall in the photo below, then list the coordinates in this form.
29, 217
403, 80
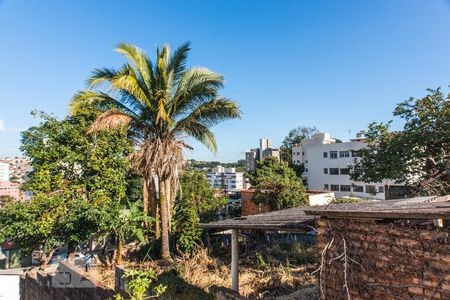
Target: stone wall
383, 260
43, 286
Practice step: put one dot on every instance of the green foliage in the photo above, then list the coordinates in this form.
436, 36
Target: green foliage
196, 203
139, 285
196, 188
277, 185
78, 181
295, 136
5, 200
185, 225
418, 155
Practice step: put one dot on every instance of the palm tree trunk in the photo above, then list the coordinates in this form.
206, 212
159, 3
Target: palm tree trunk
169, 205
154, 210
165, 252
145, 201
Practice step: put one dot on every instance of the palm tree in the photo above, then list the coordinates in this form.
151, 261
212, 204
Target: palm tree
161, 104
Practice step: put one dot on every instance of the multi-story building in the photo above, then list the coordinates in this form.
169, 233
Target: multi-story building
226, 179
265, 150
4, 171
327, 167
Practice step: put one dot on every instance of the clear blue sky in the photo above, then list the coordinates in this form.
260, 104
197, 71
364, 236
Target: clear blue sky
336, 65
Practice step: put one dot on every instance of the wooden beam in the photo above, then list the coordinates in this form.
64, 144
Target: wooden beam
235, 260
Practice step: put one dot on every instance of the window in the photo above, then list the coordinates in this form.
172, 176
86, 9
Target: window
325, 187
306, 170
334, 171
358, 188
325, 171
303, 153
333, 154
335, 187
344, 154
306, 161
325, 154
371, 189
345, 188
381, 189
355, 153
345, 171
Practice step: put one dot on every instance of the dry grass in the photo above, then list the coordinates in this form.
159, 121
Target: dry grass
281, 269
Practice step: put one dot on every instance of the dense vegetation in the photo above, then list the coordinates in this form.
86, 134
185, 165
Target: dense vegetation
418, 155
277, 185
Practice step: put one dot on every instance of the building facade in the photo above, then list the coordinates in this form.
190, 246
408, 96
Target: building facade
226, 179
4, 171
265, 150
327, 167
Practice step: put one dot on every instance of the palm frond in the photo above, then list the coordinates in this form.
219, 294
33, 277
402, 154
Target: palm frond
140, 61
196, 86
85, 97
199, 132
177, 62
212, 112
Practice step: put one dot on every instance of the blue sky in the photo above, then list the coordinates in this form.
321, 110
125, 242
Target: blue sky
336, 65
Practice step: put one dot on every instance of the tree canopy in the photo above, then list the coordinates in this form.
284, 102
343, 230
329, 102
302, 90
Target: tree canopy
418, 155
277, 185
295, 136
78, 182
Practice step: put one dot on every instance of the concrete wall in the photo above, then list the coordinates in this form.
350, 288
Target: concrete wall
384, 260
72, 285
9, 287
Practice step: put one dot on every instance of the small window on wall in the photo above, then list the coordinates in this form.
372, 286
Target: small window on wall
345, 171
325, 187
334, 171
358, 188
343, 154
345, 188
381, 189
371, 189
335, 187
355, 153
325, 171
325, 154
306, 170
333, 154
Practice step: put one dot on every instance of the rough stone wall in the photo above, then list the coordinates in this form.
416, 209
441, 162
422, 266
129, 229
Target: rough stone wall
251, 208
377, 260
39, 286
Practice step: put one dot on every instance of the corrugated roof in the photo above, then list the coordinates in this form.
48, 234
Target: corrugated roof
293, 219
412, 208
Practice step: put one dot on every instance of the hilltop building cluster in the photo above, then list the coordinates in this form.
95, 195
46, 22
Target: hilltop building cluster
13, 172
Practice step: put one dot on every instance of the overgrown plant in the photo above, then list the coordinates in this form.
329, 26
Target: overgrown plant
139, 284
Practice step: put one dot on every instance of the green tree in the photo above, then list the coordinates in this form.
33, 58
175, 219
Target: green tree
295, 136
78, 182
196, 203
418, 155
277, 185
161, 103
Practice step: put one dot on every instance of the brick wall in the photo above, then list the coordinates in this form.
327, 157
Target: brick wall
249, 207
41, 286
384, 260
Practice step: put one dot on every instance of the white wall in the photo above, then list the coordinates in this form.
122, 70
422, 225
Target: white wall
9, 287
315, 163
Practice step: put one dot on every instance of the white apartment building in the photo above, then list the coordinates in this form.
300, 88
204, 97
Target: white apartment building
226, 179
4, 171
327, 167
